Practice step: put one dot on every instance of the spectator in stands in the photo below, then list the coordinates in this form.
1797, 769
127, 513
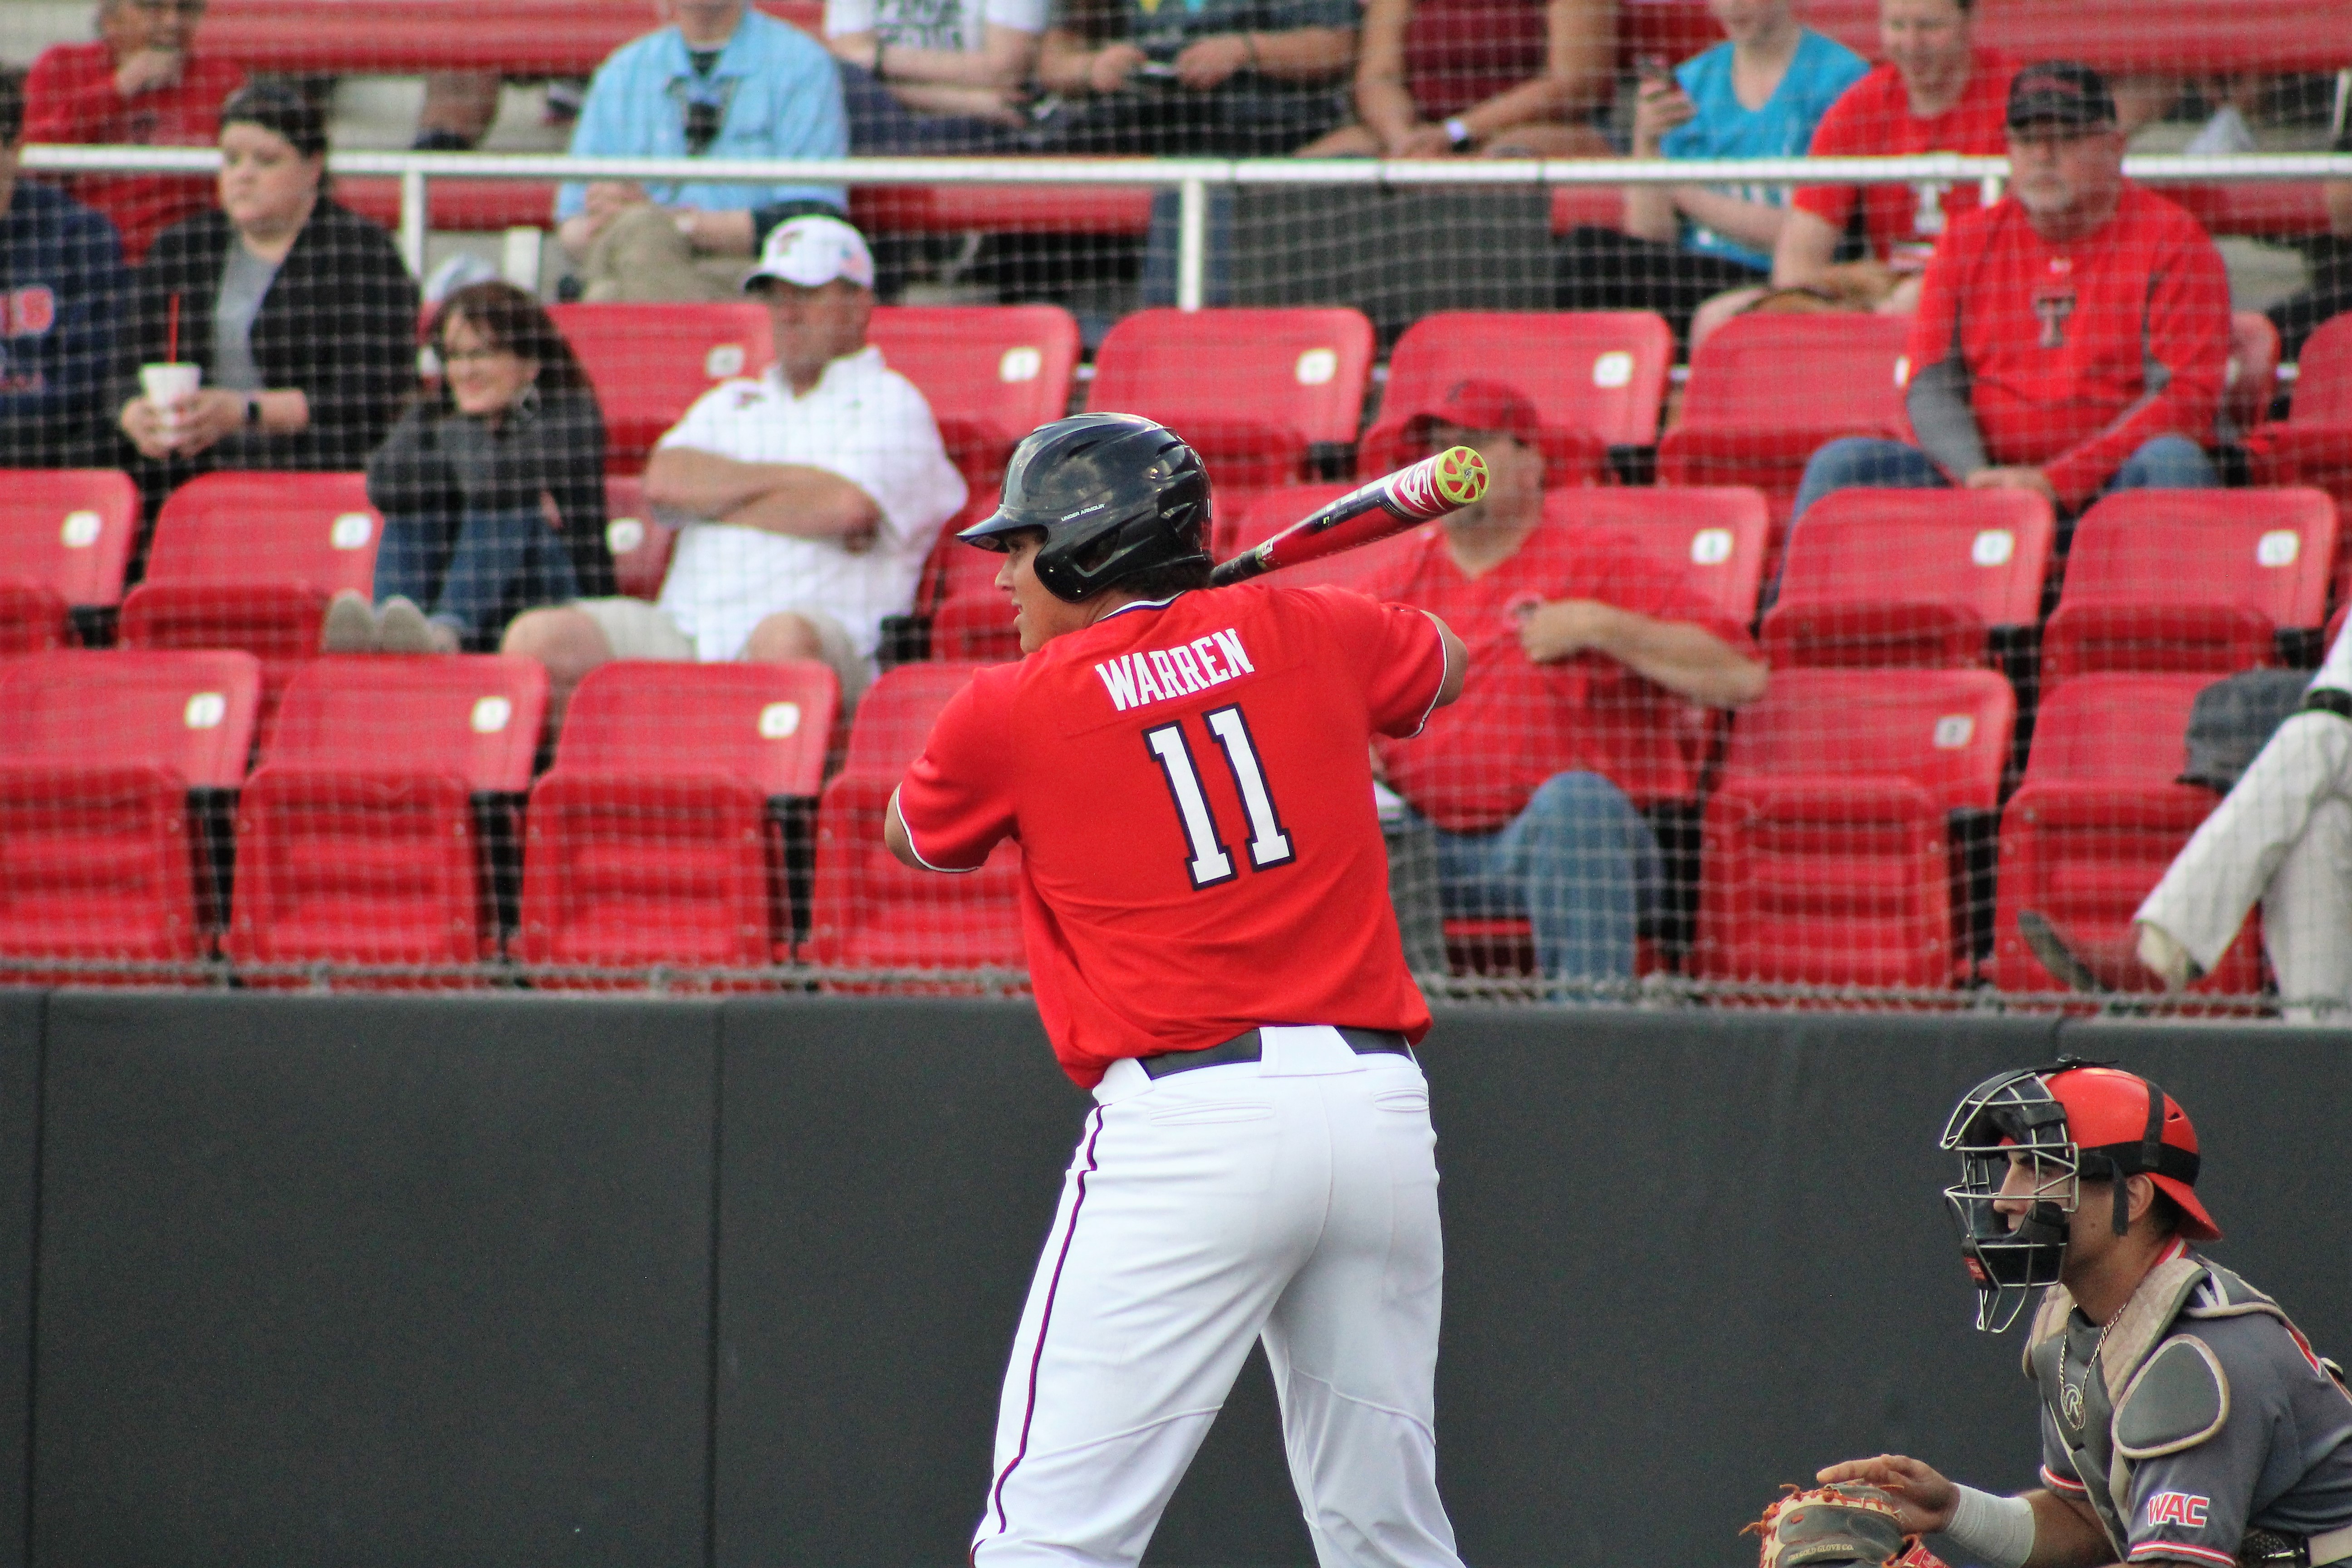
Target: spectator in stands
1502, 79
1759, 94
2070, 339
1581, 644
815, 494
491, 485
2330, 294
298, 311
61, 284
1240, 79
935, 78
1938, 92
724, 80
2281, 838
140, 84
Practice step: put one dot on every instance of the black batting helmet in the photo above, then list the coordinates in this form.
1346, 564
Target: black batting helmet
1116, 494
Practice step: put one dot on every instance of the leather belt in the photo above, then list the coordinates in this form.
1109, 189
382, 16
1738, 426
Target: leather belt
1250, 1046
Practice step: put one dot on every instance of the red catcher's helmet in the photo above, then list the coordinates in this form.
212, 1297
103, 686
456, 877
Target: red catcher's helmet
2113, 1112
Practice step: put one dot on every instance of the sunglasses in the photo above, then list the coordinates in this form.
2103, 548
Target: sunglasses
701, 126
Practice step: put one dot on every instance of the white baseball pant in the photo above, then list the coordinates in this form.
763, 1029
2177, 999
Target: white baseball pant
1292, 1200
2284, 836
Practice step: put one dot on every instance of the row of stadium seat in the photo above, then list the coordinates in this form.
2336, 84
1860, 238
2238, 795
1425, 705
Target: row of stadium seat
686, 820
2159, 580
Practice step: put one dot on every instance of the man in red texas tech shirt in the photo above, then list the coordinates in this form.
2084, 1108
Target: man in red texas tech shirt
1205, 905
2072, 338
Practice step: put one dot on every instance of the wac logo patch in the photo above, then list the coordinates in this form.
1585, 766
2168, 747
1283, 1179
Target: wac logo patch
2178, 1508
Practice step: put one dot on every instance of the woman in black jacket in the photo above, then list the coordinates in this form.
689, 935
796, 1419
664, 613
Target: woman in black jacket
299, 312
492, 487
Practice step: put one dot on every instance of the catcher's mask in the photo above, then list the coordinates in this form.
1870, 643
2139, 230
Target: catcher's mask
2067, 1123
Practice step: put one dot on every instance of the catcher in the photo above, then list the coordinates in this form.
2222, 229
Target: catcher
2184, 1419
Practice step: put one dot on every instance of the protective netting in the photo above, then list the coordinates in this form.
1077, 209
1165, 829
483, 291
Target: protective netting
1882, 584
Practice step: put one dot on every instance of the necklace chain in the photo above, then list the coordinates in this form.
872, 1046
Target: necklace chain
2070, 1396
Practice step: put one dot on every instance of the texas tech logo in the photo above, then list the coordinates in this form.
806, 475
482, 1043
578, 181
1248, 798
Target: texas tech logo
2178, 1508
2052, 306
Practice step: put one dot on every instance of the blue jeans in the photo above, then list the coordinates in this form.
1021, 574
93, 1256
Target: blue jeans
1578, 863
475, 570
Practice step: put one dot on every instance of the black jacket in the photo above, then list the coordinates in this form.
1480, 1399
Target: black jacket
441, 464
339, 321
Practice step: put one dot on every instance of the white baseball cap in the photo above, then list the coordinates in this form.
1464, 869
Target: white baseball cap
812, 252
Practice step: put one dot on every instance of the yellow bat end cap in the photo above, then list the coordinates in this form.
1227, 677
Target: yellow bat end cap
1460, 475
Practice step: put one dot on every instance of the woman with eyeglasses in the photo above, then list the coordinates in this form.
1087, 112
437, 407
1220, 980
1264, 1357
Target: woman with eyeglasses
297, 313
491, 485
140, 83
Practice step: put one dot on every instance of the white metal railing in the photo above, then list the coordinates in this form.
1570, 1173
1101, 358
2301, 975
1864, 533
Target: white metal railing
1191, 177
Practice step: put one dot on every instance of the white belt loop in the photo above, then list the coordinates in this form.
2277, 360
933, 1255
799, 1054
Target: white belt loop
1123, 1079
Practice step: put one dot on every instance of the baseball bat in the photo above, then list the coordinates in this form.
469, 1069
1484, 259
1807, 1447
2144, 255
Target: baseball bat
1415, 493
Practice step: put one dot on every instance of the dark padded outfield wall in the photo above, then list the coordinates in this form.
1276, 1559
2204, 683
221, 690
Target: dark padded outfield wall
358, 1281
20, 1086
1689, 1256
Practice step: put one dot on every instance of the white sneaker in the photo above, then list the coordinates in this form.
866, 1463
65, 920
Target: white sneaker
349, 626
406, 630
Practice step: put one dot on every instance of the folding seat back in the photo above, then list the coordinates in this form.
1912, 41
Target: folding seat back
1598, 378
2313, 445
640, 546
767, 723
2094, 823
660, 836
870, 912
1878, 577
65, 536
2323, 382
992, 373
1831, 854
1767, 392
1715, 536
968, 615
1254, 391
648, 362
372, 830
318, 532
106, 846
2191, 580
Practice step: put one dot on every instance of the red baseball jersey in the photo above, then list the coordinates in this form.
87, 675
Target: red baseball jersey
69, 97
1517, 722
1190, 785
1874, 117
2076, 354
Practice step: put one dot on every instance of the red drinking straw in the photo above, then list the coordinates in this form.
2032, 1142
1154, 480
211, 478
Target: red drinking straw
172, 330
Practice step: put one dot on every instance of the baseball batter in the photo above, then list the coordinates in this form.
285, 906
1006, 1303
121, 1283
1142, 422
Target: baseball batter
1214, 954
2184, 1418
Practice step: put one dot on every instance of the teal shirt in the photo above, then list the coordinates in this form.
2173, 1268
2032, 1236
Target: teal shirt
1783, 127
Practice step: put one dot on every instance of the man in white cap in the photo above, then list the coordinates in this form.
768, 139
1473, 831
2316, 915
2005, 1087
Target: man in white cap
814, 493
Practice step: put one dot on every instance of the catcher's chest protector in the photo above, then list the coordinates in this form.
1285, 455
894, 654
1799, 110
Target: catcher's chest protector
2155, 1392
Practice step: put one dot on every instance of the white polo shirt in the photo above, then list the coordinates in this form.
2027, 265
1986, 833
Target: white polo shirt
862, 421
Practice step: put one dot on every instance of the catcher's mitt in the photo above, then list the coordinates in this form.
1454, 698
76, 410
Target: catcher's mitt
1845, 1524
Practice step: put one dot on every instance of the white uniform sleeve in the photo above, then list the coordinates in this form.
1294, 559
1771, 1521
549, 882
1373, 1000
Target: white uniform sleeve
896, 456
1028, 15
848, 17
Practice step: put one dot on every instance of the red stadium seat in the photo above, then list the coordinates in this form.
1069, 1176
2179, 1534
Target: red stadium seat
1715, 536
991, 373
870, 912
2191, 580
1597, 378
1255, 392
249, 561
971, 619
1003, 209
1909, 578
65, 536
2313, 445
640, 546
2094, 825
1744, 422
658, 836
1829, 856
478, 206
512, 37
359, 839
105, 843
649, 363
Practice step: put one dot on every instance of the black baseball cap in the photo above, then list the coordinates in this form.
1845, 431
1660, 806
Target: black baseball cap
2060, 92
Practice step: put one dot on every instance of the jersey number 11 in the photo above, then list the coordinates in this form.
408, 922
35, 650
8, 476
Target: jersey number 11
1211, 863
